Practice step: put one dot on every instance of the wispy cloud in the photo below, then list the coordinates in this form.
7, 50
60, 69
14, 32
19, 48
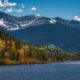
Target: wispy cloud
10, 7
34, 11
6, 3
33, 8
13, 7
9, 10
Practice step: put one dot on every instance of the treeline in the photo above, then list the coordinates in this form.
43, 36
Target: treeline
14, 51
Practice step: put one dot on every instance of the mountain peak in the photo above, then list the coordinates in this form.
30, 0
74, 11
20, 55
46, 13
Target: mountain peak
14, 23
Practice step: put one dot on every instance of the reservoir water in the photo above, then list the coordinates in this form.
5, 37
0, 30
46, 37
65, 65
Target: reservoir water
51, 71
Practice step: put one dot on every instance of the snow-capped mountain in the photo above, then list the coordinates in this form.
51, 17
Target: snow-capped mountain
14, 23
72, 23
42, 30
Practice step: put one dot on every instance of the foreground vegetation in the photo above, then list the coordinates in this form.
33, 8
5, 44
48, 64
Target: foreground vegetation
14, 51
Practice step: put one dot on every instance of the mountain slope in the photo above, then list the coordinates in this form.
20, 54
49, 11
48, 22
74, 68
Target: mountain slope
14, 23
43, 30
61, 35
14, 51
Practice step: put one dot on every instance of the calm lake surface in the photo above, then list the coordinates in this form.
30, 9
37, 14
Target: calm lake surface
51, 71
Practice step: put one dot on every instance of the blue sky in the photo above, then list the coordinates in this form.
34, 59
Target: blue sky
51, 8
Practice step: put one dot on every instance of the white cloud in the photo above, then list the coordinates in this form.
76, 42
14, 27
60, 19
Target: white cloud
10, 4
6, 3
1, 4
33, 8
77, 18
9, 7
9, 10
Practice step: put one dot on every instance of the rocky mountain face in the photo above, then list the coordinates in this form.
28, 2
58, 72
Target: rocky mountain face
14, 23
43, 30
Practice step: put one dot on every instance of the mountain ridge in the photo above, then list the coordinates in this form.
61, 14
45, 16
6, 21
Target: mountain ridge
14, 23
43, 30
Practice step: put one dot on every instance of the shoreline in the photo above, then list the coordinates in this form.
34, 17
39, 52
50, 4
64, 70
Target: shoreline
40, 62
70, 62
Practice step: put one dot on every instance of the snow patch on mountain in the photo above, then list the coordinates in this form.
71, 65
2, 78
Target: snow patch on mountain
8, 25
14, 23
11, 29
2, 22
52, 21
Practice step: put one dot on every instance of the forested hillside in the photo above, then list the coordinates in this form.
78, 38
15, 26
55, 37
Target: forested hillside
14, 51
